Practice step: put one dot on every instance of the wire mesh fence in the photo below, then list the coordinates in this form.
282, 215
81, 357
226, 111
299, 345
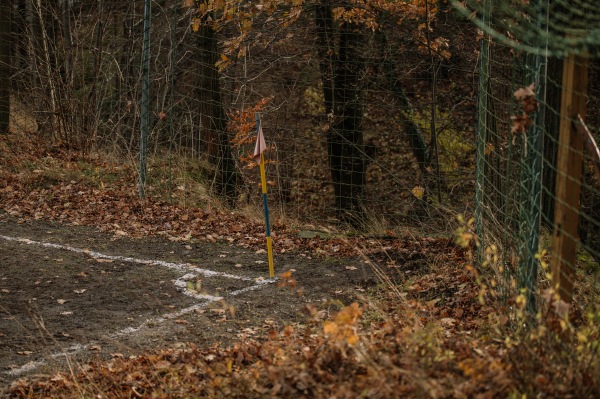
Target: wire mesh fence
373, 112
368, 118
537, 190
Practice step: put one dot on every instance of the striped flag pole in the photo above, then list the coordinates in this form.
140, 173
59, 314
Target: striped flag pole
260, 157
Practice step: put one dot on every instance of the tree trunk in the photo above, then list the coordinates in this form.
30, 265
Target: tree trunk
340, 76
326, 49
213, 137
345, 139
551, 128
5, 65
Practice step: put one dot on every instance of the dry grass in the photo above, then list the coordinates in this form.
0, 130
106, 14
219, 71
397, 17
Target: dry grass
441, 333
434, 327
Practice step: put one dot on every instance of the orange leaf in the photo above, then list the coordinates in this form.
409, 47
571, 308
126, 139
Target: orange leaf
285, 275
288, 331
196, 24
330, 328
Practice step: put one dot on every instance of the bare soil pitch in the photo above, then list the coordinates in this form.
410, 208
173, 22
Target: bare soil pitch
55, 301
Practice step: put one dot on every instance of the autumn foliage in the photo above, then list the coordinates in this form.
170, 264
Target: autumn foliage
243, 125
525, 96
436, 330
436, 325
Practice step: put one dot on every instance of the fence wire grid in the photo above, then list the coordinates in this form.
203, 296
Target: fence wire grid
386, 112
361, 123
537, 192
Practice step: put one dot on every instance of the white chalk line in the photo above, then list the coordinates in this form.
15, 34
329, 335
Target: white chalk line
77, 348
180, 283
97, 255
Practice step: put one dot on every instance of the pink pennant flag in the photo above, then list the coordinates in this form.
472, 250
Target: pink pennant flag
260, 143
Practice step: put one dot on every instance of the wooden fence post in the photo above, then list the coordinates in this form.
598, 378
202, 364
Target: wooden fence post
568, 176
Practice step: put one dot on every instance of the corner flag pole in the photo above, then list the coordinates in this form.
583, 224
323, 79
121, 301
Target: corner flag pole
260, 157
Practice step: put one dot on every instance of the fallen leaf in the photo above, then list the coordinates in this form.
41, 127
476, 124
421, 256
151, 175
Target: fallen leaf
95, 348
288, 331
66, 313
418, 192
58, 378
61, 301
432, 303
286, 275
162, 364
448, 321
350, 268
181, 321
25, 353
81, 291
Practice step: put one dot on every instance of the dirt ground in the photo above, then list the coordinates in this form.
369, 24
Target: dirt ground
70, 294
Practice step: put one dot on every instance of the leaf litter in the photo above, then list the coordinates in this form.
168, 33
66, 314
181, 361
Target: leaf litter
440, 336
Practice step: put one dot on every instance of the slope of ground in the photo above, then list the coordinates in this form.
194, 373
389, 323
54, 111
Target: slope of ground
168, 301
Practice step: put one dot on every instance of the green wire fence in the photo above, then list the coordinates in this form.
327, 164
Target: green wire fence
377, 115
536, 187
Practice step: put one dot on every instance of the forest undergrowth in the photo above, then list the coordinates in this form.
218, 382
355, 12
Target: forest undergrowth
435, 326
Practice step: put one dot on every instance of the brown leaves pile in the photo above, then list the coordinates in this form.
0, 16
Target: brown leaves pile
343, 328
434, 338
341, 357
440, 341
37, 191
